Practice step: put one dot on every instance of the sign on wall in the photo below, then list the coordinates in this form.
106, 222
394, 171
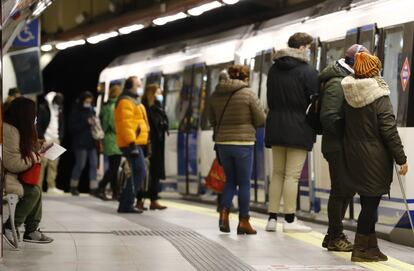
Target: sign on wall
405, 74
29, 36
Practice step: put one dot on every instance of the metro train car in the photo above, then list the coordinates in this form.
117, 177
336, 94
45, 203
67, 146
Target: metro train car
188, 73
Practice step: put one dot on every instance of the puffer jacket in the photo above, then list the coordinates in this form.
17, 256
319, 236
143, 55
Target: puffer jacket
332, 107
131, 122
243, 115
291, 82
371, 137
13, 161
108, 126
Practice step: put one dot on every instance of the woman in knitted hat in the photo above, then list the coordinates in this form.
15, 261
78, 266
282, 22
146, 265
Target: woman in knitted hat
372, 143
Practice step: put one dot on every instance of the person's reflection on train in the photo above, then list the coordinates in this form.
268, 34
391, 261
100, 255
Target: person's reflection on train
153, 101
291, 83
83, 143
235, 113
371, 144
132, 130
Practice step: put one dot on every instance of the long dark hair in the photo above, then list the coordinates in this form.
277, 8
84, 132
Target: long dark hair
22, 114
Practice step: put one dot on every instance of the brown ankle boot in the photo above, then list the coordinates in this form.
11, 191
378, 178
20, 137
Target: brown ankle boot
224, 224
156, 206
362, 251
373, 246
244, 226
140, 206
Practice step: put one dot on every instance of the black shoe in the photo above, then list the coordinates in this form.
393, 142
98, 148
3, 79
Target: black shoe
325, 241
74, 191
132, 210
100, 193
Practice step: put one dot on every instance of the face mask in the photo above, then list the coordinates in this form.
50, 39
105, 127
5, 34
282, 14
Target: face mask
87, 105
160, 98
140, 91
308, 53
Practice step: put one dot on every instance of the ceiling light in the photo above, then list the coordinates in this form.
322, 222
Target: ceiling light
67, 44
41, 6
46, 48
128, 29
167, 19
203, 8
230, 2
101, 37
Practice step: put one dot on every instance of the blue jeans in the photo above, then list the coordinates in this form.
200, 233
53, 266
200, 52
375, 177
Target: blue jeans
237, 162
81, 157
132, 185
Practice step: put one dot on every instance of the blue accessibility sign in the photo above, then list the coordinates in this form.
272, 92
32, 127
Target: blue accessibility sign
29, 36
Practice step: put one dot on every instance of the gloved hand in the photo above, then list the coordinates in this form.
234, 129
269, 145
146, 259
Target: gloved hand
133, 149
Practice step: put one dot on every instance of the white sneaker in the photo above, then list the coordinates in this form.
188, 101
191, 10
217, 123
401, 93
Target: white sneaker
271, 225
55, 191
295, 226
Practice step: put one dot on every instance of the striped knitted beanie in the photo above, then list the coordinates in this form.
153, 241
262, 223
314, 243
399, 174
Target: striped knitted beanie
366, 65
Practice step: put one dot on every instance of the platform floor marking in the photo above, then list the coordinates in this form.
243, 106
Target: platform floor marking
313, 238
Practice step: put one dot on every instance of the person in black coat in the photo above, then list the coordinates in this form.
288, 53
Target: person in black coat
83, 144
291, 83
158, 122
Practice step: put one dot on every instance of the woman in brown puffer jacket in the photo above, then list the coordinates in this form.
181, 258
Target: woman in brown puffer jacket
372, 143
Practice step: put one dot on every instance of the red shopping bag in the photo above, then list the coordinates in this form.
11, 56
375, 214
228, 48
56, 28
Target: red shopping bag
216, 178
32, 175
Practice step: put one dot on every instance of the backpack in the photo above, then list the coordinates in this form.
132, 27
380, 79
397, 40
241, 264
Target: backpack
313, 114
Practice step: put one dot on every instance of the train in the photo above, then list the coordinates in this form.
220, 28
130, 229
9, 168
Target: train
188, 72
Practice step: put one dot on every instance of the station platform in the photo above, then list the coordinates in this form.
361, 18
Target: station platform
90, 236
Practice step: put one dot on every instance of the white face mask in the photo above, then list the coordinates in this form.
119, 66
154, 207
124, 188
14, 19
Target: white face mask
140, 91
87, 105
160, 98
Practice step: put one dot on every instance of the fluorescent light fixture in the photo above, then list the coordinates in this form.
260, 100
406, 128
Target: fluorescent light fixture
41, 6
101, 37
171, 59
167, 19
230, 2
203, 8
128, 29
46, 48
67, 44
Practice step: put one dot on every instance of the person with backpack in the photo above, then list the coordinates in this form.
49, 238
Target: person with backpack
290, 84
372, 144
83, 142
333, 124
235, 114
132, 134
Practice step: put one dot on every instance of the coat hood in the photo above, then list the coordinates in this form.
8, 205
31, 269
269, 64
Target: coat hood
289, 58
335, 70
50, 96
362, 92
229, 86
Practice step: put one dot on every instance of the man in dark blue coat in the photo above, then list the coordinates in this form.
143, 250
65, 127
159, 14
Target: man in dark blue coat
291, 83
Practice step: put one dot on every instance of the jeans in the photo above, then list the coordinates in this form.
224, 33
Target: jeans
237, 162
111, 175
133, 184
80, 163
340, 195
368, 215
29, 209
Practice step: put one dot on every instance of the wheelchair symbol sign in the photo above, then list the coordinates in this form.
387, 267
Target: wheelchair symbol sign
26, 35
29, 36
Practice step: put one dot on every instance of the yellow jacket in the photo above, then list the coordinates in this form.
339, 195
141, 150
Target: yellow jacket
131, 122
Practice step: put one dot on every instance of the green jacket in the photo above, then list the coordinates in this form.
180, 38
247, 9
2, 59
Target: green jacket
332, 107
371, 137
108, 125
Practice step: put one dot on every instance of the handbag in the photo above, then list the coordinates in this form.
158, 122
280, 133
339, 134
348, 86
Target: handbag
216, 128
32, 175
216, 179
313, 114
96, 128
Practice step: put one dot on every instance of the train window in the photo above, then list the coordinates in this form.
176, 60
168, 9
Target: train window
393, 47
334, 51
367, 36
255, 66
173, 86
267, 64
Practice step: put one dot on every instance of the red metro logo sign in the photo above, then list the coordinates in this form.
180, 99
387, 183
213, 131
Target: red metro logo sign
405, 74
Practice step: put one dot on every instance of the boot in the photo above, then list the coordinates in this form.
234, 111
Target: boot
140, 205
224, 224
373, 245
244, 226
156, 206
340, 243
361, 251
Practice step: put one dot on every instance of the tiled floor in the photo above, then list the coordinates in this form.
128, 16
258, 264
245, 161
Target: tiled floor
82, 228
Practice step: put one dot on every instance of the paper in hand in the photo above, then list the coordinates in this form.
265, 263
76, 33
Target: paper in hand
54, 151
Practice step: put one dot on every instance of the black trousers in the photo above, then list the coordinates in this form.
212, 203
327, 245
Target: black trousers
340, 195
111, 175
368, 215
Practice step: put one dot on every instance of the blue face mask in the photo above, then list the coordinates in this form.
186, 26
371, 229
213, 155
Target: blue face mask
160, 98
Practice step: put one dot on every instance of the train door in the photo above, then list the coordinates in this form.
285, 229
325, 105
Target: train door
155, 78
172, 87
191, 105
